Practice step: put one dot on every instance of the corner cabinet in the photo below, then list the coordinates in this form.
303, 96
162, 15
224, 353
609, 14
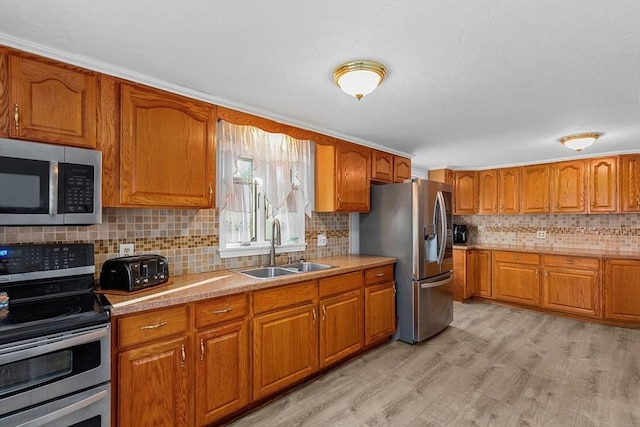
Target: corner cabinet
343, 174
48, 101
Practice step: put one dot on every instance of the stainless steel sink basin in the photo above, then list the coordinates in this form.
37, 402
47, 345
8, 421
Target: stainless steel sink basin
267, 272
305, 266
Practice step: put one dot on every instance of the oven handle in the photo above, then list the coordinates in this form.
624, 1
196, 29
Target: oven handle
74, 407
60, 343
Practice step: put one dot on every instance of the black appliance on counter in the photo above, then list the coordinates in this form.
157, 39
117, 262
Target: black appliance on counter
55, 363
460, 233
132, 273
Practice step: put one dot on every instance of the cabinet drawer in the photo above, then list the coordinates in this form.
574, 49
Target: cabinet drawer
517, 257
341, 283
581, 263
378, 275
284, 296
221, 309
141, 328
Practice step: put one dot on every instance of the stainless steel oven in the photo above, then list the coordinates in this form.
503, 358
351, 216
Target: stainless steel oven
54, 339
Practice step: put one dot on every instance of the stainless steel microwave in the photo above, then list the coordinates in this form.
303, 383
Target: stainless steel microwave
44, 184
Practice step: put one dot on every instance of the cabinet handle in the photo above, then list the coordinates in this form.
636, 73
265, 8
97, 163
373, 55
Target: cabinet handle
315, 316
16, 116
201, 349
569, 261
210, 192
156, 326
324, 312
184, 356
516, 257
224, 310
394, 290
379, 274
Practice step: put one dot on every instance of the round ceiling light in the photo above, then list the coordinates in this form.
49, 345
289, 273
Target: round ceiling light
359, 78
580, 141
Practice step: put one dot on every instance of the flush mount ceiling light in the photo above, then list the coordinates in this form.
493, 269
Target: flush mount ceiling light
579, 141
359, 78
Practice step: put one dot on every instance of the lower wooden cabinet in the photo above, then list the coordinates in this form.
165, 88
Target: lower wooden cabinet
483, 286
380, 312
464, 273
516, 278
571, 284
340, 326
622, 289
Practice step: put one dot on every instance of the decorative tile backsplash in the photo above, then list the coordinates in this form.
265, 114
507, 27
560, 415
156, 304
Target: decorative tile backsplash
601, 231
188, 238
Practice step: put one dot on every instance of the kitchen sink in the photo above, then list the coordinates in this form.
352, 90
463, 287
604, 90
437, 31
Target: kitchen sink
267, 272
305, 266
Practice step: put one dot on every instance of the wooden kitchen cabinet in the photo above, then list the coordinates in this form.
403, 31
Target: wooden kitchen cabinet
603, 184
341, 317
343, 174
464, 270
483, 285
465, 193
381, 166
516, 278
509, 190
571, 284
622, 289
534, 189
285, 337
488, 191
568, 187
379, 304
629, 183
48, 101
442, 175
222, 358
401, 169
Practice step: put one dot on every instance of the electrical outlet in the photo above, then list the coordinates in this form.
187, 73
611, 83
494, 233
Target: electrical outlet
541, 234
322, 240
126, 249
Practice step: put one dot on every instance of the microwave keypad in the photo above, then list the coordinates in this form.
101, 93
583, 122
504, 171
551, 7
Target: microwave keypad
78, 196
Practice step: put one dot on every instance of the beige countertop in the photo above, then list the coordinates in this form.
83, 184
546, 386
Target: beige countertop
201, 286
546, 250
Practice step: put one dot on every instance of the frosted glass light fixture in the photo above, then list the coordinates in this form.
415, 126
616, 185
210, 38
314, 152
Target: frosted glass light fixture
359, 78
579, 141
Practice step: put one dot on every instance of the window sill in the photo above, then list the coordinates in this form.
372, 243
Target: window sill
260, 250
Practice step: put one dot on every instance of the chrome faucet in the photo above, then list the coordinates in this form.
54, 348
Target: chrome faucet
275, 240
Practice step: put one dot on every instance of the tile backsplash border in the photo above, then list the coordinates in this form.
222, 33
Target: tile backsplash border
187, 237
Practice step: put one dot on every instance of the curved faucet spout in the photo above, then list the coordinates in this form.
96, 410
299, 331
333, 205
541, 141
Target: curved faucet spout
276, 239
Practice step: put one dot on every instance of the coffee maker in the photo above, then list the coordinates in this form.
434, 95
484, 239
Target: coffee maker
459, 233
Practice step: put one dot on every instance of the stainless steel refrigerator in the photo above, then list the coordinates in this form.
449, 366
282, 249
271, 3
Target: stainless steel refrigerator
412, 221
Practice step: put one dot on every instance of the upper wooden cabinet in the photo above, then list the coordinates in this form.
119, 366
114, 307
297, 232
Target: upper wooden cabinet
603, 184
381, 166
509, 190
401, 169
534, 187
47, 101
165, 153
442, 175
343, 172
465, 193
629, 183
568, 186
488, 191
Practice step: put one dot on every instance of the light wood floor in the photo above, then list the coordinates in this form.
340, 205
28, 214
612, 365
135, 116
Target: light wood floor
494, 366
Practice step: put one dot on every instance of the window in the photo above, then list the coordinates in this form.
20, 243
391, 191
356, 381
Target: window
262, 176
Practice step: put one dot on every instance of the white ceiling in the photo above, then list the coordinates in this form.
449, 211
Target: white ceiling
469, 84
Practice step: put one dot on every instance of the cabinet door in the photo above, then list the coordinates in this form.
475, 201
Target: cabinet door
488, 192
340, 326
603, 185
630, 183
51, 103
462, 262
483, 287
167, 149
571, 290
152, 385
568, 187
401, 169
222, 371
465, 193
379, 312
382, 166
622, 289
509, 191
535, 189
354, 167
516, 277
285, 348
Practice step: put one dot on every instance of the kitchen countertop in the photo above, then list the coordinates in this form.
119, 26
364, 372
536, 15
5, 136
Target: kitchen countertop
202, 286
546, 250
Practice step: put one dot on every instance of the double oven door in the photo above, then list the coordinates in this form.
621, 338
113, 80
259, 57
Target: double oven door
57, 380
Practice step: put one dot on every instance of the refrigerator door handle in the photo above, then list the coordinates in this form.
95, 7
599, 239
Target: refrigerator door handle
426, 285
443, 226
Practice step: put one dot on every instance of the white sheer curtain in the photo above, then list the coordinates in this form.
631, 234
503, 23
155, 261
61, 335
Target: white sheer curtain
283, 169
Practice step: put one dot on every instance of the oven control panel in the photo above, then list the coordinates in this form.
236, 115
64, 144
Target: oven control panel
41, 261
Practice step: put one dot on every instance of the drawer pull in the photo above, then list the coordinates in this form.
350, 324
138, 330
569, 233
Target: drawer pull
379, 274
223, 311
569, 261
201, 349
156, 326
516, 257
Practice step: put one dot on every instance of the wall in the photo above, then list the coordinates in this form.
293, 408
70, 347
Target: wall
601, 231
188, 238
